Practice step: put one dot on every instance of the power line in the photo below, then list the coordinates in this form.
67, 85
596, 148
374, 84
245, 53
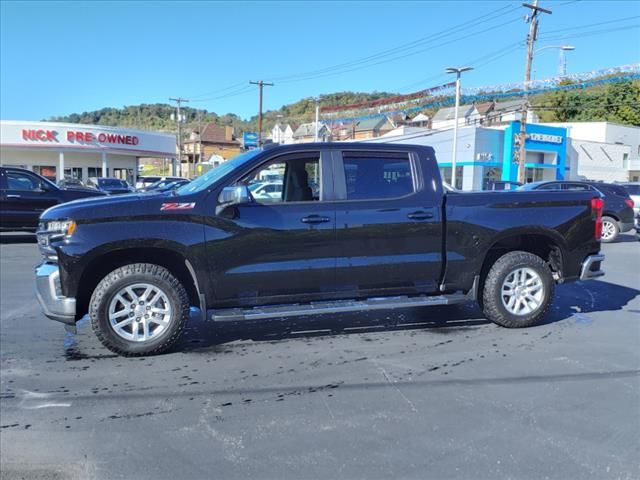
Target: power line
590, 34
589, 25
403, 47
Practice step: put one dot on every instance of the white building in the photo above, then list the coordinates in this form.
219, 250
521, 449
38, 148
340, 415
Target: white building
56, 150
282, 134
603, 151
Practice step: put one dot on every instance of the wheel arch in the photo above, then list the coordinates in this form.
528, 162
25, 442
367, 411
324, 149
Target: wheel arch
545, 243
100, 265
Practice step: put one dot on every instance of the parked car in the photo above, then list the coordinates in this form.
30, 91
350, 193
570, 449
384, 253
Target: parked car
24, 195
70, 182
112, 186
502, 185
618, 206
633, 190
267, 191
143, 182
165, 184
382, 234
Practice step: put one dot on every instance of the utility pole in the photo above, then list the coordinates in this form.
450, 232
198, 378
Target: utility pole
317, 118
200, 136
457, 71
261, 85
179, 102
531, 39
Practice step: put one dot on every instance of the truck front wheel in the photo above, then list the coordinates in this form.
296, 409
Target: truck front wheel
518, 290
139, 309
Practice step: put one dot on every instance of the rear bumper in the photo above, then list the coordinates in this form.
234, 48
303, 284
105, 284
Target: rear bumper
54, 305
591, 267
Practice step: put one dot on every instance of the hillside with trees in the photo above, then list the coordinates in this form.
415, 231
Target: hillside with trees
614, 102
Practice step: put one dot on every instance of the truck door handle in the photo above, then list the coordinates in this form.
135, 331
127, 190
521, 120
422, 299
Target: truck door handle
13, 196
420, 215
315, 219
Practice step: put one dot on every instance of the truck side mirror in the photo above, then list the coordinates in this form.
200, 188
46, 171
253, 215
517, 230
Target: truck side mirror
231, 197
235, 195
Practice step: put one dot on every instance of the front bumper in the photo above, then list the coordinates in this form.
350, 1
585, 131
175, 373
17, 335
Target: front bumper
591, 267
54, 305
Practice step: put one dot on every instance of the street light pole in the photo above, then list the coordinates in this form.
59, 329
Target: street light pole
457, 71
562, 66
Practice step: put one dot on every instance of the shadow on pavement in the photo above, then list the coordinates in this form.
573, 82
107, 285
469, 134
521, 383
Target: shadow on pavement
9, 238
576, 299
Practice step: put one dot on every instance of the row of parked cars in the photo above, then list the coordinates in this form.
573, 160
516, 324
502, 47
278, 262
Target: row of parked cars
24, 195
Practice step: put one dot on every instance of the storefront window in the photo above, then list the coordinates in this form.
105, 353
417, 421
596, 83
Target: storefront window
74, 172
123, 174
95, 172
46, 171
490, 175
534, 175
445, 172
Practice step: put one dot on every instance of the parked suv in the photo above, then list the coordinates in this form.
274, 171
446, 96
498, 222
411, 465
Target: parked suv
24, 195
356, 227
633, 189
618, 206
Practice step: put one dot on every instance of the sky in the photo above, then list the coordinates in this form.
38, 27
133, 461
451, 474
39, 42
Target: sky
58, 58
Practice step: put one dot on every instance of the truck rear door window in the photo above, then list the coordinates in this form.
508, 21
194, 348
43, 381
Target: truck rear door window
376, 176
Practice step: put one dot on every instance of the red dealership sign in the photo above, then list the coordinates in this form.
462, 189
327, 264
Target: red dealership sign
79, 137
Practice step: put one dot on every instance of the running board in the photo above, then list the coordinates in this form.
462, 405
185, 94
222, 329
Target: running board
337, 306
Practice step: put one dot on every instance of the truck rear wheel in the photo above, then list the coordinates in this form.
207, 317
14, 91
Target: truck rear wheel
518, 290
139, 309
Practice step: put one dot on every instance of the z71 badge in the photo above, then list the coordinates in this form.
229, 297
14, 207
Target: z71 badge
178, 206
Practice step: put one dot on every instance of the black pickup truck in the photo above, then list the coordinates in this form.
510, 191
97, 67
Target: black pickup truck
356, 227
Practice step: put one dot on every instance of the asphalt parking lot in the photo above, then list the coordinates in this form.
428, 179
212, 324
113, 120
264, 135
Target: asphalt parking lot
426, 393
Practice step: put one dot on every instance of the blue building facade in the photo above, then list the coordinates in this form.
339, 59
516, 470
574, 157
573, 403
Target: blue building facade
546, 149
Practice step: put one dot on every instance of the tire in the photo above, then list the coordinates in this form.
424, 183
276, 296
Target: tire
503, 275
162, 321
610, 230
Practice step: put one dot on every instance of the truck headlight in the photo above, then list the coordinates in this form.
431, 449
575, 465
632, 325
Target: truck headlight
51, 231
60, 227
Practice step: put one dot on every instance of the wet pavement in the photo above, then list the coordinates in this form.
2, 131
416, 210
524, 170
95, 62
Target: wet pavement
423, 393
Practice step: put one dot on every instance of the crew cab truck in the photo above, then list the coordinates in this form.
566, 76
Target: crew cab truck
358, 227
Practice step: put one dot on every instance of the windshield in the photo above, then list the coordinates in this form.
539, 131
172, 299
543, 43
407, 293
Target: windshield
215, 174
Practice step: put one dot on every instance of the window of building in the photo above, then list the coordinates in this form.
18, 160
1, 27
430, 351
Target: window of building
95, 172
445, 173
625, 160
73, 172
371, 177
290, 180
47, 172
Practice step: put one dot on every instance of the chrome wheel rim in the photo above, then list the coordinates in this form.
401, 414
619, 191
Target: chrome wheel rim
608, 230
139, 312
522, 291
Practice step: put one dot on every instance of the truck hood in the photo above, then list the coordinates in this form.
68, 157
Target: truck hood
92, 208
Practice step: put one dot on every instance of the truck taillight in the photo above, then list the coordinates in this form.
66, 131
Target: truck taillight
629, 202
597, 204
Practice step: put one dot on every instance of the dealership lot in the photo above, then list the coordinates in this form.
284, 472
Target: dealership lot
426, 393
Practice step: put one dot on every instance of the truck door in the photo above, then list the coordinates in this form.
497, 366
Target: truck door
388, 223
283, 245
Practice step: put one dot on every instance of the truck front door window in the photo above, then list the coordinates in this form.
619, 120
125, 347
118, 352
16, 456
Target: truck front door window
292, 180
